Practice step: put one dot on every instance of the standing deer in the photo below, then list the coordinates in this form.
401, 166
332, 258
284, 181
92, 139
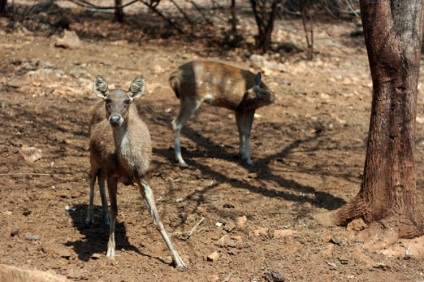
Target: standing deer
219, 85
120, 151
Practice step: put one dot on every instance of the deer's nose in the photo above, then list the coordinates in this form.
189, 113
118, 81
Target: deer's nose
115, 119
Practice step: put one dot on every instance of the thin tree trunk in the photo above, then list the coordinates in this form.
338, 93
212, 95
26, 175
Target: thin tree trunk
388, 195
119, 11
3, 5
233, 17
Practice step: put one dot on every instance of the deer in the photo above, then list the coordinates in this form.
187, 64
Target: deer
120, 152
219, 85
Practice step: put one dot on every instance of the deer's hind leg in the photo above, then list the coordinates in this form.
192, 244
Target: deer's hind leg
149, 200
187, 108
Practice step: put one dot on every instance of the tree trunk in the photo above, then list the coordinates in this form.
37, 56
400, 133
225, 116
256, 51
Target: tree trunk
233, 17
119, 11
388, 194
3, 5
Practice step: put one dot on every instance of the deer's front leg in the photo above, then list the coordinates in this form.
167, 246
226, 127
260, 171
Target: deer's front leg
239, 121
112, 185
244, 121
149, 200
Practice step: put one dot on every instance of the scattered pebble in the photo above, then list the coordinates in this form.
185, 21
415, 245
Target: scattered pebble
70, 40
32, 237
213, 256
336, 240
262, 231
96, 256
31, 154
343, 260
283, 233
229, 226
241, 221
274, 276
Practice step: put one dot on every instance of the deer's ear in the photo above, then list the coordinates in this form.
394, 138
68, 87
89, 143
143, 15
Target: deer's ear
258, 79
137, 87
100, 87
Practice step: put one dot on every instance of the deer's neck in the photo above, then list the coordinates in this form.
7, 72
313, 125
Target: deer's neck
122, 141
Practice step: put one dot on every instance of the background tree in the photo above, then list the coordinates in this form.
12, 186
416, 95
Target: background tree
119, 11
265, 13
388, 196
3, 4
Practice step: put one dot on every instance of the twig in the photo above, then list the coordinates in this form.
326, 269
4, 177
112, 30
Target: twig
23, 173
182, 12
88, 4
170, 22
195, 226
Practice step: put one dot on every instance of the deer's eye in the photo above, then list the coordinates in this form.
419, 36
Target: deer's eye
108, 104
127, 101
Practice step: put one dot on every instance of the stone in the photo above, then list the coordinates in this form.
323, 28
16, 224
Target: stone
70, 40
17, 274
31, 154
261, 231
241, 221
214, 256
283, 233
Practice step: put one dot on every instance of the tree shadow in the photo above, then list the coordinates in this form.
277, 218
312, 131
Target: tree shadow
320, 199
96, 236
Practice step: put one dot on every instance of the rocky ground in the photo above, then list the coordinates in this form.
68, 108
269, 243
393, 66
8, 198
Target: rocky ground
229, 221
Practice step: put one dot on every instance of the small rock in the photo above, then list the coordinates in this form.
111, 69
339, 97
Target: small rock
70, 40
212, 278
96, 256
324, 96
241, 221
157, 69
14, 232
31, 154
32, 237
336, 240
262, 231
229, 226
64, 253
258, 61
12, 273
283, 233
343, 260
213, 256
274, 276
420, 120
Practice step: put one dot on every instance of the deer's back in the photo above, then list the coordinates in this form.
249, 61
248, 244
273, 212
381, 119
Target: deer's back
213, 82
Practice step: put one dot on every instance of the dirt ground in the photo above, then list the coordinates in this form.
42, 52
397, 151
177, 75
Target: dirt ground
308, 149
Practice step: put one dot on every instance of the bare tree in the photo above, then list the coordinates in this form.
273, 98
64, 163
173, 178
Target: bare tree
265, 13
388, 198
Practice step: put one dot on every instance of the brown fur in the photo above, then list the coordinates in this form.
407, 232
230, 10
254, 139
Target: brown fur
219, 85
120, 151
105, 155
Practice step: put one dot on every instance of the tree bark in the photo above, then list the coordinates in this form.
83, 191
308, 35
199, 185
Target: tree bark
388, 195
119, 11
3, 5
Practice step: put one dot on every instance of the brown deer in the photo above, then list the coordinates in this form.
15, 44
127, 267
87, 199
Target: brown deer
219, 85
120, 151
